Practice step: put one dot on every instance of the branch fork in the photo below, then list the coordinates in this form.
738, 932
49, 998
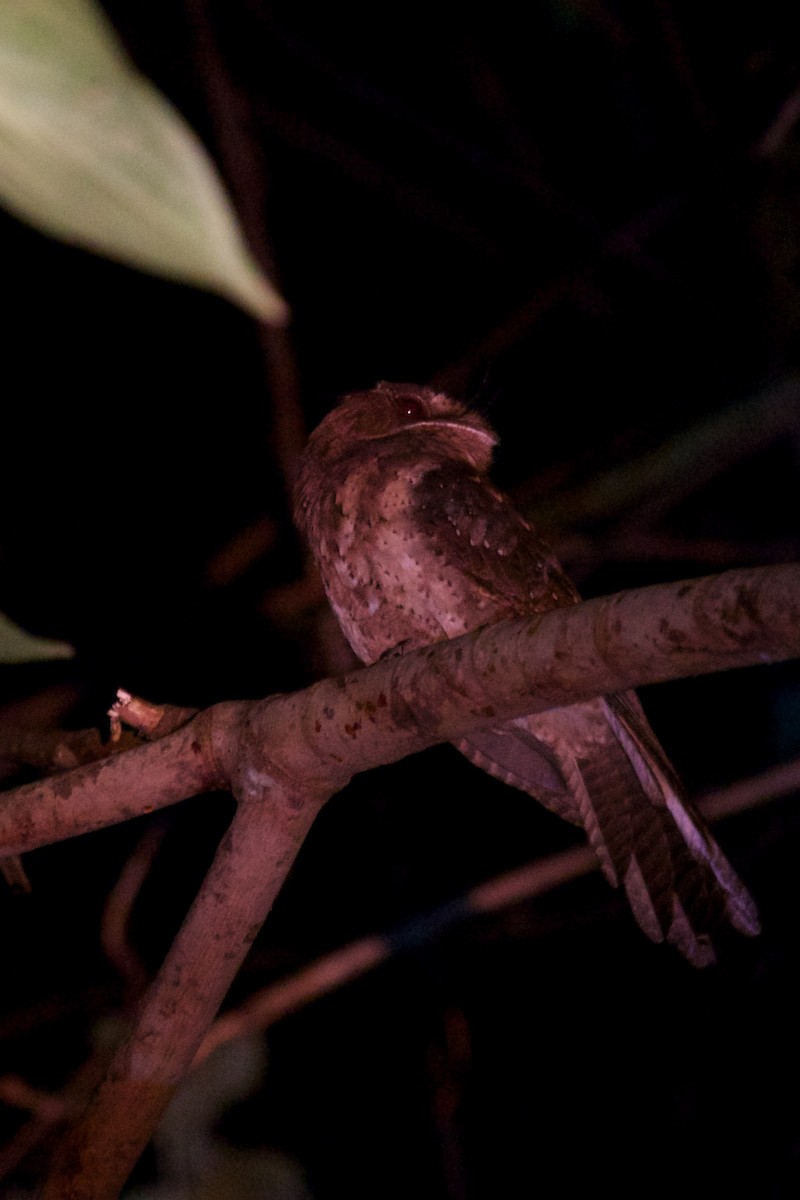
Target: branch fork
284, 756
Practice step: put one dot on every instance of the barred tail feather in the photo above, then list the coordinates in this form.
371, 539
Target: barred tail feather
660, 788
600, 766
671, 895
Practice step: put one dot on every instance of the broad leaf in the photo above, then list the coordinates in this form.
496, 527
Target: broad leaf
92, 153
17, 646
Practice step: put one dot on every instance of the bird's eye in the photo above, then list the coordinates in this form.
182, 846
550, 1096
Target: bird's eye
410, 408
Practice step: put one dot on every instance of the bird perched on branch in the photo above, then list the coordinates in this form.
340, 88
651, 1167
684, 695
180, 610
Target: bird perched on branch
415, 545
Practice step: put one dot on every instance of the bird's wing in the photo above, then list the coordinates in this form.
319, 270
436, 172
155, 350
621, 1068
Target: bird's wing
598, 764
509, 569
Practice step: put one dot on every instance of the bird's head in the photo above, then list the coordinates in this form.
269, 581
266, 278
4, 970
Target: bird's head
416, 416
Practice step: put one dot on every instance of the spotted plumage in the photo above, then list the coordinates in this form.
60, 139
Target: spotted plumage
415, 545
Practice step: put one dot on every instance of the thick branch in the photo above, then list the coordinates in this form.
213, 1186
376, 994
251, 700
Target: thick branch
380, 714
325, 734
112, 790
249, 867
283, 756
341, 966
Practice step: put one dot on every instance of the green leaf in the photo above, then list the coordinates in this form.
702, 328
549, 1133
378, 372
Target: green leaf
17, 646
92, 153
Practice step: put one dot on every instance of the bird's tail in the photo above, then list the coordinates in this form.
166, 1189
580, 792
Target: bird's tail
611, 776
699, 893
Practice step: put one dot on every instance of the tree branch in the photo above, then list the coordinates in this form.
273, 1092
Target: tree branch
377, 715
282, 757
341, 966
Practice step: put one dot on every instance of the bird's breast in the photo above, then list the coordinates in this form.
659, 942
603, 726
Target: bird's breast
385, 579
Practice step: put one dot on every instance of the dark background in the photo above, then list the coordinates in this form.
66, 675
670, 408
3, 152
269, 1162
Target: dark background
583, 217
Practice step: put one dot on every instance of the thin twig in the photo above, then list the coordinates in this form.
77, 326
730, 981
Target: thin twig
114, 926
151, 721
656, 481
781, 126
242, 159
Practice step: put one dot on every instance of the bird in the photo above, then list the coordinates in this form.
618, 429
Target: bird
415, 545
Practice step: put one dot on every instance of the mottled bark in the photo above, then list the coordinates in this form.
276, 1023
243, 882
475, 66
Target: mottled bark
282, 757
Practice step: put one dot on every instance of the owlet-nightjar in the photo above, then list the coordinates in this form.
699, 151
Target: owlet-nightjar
415, 545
